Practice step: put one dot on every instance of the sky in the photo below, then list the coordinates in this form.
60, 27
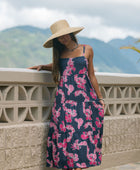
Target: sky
101, 19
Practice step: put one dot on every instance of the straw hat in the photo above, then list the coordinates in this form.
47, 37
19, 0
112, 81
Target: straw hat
58, 29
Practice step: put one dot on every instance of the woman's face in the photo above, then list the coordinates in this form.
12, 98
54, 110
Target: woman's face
64, 39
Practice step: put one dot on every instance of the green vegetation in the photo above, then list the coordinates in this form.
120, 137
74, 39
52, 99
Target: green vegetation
132, 47
22, 47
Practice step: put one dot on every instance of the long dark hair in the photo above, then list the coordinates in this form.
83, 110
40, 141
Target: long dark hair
58, 48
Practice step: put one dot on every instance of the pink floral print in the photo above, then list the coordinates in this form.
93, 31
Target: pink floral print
76, 124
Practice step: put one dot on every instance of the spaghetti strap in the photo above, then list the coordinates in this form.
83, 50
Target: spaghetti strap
84, 50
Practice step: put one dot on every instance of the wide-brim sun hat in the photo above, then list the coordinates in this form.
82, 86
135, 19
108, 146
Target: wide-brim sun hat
58, 29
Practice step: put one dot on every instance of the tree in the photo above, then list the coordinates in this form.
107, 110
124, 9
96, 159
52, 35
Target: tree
133, 48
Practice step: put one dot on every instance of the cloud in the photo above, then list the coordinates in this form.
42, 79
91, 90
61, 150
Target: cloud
5, 19
103, 20
125, 2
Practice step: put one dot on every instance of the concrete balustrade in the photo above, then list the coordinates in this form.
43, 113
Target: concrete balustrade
26, 100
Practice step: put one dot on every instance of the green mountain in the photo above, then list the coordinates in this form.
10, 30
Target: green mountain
132, 55
21, 47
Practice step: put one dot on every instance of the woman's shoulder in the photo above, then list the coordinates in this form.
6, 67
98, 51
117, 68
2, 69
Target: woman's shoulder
88, 50
87, 46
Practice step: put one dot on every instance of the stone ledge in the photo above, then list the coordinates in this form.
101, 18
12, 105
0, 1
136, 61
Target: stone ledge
23, 75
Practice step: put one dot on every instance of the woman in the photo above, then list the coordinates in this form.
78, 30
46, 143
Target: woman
76, 125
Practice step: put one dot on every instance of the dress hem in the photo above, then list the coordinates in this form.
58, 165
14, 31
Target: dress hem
73, 167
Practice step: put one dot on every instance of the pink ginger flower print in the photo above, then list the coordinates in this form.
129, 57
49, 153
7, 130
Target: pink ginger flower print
71, 64
93, 95
101, 113
84, 135
96, 105
81, 81
65, 167
56, 115
87, 111
54, 136
60, 83
70, 162
88, 114
75, 157
87, 124
68, 117
62, 127
80, 92
98, 123
95, 141
65, 78
73, 103
62, 96
92, 156
100, 156
62, 145
75, 145
82, 165
70, 155
50, 162
93, 128
70, 88
48, 142
82, 71
70, 136
56, 159
70, 127
72, 112
79, 121
69, 68
52, 124
97, 135
93, 162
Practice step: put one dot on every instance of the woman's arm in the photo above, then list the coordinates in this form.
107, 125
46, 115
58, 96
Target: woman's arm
48, 67
92, 74
43, 67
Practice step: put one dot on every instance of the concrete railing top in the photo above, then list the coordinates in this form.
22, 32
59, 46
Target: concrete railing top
30, 75
98, 73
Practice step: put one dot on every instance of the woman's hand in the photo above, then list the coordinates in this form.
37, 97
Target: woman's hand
38, 68
102, 103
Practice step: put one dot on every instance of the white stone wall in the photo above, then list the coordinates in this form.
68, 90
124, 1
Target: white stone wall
26, 100
23, 146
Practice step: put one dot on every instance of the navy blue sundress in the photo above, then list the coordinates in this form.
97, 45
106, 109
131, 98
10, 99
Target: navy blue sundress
76, 124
